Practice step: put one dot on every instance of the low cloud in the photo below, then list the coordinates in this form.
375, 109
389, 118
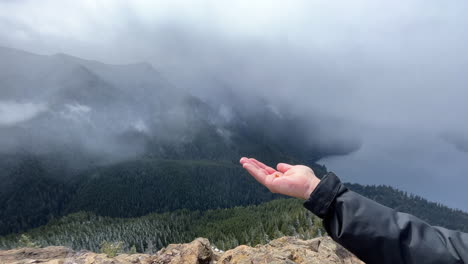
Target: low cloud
458, 140
13, 113
76, 112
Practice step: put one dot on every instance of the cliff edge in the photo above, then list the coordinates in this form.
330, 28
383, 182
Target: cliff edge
291, 250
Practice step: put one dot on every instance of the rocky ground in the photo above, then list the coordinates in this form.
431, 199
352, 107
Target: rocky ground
282, 250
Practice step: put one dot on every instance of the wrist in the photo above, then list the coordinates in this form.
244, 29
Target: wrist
321, 200
312, 185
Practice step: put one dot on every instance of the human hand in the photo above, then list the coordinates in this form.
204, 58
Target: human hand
293, 180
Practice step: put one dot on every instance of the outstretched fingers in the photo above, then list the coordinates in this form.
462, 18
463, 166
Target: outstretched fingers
243, 160
258, 173
264, 174
268, 169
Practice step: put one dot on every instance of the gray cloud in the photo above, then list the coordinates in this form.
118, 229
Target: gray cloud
388, 74
458, 140
12, 113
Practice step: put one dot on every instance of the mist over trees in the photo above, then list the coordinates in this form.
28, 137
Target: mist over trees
108, 113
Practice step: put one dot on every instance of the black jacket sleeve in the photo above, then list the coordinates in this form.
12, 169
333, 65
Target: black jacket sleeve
378, 234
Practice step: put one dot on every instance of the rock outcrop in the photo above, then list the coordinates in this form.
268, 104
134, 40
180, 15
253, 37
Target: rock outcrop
283, 250
291, 250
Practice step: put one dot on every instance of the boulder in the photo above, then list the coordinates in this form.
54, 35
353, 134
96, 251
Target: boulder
291, 250
63, 255
197, 252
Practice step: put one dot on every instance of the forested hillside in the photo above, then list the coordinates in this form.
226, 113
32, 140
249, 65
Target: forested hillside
126, 189
140, 187
225, 228
144, 186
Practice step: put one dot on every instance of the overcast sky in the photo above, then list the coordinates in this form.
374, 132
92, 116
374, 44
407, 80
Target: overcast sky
395, 72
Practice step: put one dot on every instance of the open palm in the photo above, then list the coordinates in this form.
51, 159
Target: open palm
292, 180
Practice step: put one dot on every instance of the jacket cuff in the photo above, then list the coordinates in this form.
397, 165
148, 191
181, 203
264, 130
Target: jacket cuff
324, 194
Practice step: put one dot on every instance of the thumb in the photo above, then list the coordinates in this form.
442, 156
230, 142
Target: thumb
283, 167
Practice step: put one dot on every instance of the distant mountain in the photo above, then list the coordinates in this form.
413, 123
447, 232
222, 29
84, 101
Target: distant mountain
63, 104
63, 79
